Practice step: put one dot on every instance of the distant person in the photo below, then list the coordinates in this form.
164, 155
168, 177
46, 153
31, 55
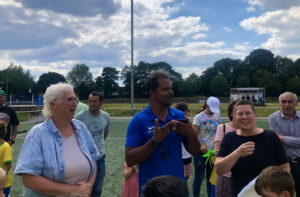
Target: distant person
154, 135
248, 150
58, 157
248, 97
286, 123
223, 183
8, 115
165, 186
275, 182
260, 98
97, 121
81, 107
205, 125
186, 156
2, 182
5, 159
131, 181
40, 100
243, 97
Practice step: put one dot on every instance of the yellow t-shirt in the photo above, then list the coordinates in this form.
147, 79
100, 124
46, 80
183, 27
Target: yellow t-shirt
6, 157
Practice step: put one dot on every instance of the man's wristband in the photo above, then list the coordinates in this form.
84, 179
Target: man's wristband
154, 143
12, 141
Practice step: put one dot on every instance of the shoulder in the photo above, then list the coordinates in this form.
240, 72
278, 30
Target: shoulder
82, 113
275, 115
104, 114
270, 133
177, 113
6, 145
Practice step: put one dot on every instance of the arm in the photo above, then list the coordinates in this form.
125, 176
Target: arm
185, 129
14, 134
225, 164
203, 148
7, 167
127, 172
136, 155
218, 138
105, 134
286, 167
93, 178
48, 187
287, 140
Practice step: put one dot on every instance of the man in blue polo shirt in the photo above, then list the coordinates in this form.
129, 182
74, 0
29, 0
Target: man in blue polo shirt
154, 135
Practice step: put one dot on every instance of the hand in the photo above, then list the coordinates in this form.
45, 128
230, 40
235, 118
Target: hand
82, 189
203, 148
184, 128
246, 149
281, 137
160, 133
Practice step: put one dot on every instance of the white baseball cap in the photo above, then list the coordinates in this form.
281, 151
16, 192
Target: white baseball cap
213, 104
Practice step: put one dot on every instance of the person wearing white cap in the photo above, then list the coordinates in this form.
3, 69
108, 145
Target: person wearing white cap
205, 124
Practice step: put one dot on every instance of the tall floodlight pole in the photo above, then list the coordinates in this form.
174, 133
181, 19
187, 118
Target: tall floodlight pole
132, 69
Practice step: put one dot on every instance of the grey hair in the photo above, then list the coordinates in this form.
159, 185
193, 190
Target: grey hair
293, 94
54, 93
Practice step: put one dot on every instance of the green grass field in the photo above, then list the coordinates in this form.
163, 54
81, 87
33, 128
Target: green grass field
114, 161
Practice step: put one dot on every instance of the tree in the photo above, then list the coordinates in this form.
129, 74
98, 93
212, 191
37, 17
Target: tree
140, 75
191, 86
208, 74
99, 84
242, 81
260, 59
293, 85
226, 67
82, 80
110, 76
47, 79
268, 80
219, 86
285, 69
19, 80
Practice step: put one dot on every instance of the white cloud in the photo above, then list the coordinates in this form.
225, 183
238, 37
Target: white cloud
283, 28
243, 47
251, 9
228, 29
197, 36
274, 4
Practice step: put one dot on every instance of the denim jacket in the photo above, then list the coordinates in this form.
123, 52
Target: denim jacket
42, 153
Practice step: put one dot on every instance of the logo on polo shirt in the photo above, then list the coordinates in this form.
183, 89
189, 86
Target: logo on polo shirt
151, 129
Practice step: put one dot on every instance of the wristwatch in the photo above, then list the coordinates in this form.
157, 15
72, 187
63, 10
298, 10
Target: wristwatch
154, 143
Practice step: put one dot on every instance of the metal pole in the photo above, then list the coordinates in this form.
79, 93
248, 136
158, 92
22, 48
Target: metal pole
7, 83
132, 63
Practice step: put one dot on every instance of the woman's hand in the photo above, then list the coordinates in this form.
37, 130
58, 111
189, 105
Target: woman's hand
82, 189
246, 149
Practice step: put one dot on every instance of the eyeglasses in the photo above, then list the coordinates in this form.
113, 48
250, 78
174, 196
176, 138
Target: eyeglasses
71, 100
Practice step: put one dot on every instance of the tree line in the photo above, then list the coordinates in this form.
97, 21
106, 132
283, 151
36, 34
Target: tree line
261, 68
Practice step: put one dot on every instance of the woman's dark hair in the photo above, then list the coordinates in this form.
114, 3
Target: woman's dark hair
230, 109
245, 102
203, 107
96, 93
182, 107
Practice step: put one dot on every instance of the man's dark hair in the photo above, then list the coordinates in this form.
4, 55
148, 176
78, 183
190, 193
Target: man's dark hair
151, 82
276, 180
96, 93
165, 186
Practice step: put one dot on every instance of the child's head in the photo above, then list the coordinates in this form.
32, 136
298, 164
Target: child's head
2, 129
275, 182
165, 186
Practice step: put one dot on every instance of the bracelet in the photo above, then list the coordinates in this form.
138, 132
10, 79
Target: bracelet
12, 141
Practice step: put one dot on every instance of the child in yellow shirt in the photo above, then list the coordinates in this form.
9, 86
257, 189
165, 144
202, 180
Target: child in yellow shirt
5, 159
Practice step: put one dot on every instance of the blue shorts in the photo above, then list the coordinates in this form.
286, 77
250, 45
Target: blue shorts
6, 191
97, 189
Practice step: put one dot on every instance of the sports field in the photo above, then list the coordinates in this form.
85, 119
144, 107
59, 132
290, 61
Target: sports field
114, 158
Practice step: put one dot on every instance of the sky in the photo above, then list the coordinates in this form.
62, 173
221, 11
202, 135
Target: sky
190, 35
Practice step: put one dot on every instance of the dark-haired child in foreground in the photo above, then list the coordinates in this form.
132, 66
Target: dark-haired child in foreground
275, 182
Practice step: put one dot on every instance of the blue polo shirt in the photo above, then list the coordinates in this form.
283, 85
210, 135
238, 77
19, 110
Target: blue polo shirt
166, 159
